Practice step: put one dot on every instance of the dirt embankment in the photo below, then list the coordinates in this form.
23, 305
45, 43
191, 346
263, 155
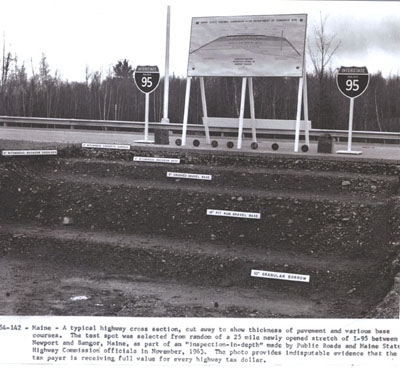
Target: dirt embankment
136, 242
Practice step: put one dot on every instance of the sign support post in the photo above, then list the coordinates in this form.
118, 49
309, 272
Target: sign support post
241, 115
204, 105
146, 120
352, 82
186, 111
252, 110
299, 98
165, 119
305, 107
350, 136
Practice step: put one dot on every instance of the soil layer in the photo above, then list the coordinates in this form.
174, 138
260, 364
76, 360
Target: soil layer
129, 240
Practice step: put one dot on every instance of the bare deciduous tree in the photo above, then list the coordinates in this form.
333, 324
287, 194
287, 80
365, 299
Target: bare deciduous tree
322, 47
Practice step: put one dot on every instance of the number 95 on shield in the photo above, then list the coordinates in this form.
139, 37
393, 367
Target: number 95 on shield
147, 78
352, 81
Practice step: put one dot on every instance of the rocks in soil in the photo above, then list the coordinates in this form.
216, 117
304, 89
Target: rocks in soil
68, 221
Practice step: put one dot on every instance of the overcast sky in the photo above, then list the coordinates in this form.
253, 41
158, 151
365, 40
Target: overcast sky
74, 34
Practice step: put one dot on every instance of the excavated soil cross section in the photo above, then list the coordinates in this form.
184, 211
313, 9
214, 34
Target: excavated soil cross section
135, 242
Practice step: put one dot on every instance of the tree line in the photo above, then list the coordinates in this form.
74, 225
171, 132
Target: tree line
115, 97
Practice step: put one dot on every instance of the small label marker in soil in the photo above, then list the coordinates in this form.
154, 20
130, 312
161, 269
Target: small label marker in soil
29, 153
188, 176
157, 159
105, 145
79, 297
250, 215
280, 276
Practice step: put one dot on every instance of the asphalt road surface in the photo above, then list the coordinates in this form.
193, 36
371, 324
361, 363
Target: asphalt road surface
370, 151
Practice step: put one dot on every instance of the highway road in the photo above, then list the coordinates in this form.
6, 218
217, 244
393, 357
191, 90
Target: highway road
370, 151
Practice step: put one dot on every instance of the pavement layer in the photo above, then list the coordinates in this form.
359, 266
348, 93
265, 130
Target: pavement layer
371, 152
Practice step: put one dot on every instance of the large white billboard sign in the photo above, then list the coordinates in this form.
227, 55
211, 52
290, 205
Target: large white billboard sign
248, 46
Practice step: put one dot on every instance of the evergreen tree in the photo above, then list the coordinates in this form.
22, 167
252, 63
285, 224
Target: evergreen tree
123, 70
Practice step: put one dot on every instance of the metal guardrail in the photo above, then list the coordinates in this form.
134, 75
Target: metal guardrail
138, 126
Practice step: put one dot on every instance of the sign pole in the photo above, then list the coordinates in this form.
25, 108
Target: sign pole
252, 110
241, 116
305, 108
146, 119
350, 134
204, 105
186, 112
165, 119
299, 97
350, 138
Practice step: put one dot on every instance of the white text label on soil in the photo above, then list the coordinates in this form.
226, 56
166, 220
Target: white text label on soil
280, 276
250, 215
188, 176
29, 152
157, 159
105, 145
